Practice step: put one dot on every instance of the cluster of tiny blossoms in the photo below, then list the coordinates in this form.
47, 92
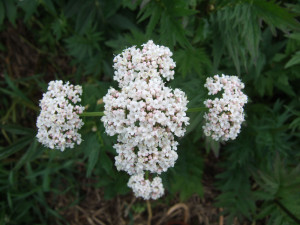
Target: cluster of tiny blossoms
145, 188
226, 114
152, 61
146, 115
59, 121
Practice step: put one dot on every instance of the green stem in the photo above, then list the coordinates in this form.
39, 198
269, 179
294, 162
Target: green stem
198, 109
92, 114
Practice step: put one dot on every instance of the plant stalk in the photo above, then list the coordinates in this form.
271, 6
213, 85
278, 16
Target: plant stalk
92, 114
198, 109
149, 212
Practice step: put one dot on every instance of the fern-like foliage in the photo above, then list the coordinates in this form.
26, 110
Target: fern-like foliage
279, 191
237, 29
168, 14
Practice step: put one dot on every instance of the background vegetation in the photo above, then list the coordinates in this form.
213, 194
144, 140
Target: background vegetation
258, 175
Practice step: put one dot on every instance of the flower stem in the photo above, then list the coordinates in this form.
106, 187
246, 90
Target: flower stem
198, 109
149, 212
92, 114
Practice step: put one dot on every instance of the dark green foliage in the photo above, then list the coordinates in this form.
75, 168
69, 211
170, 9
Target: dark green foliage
76, 40
185, 177
279, 191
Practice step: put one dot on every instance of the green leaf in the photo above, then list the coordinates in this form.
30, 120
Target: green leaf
9, 200
59, 27
34, 151
17, 146
50, 6
105, 162
84, 19
295, 36
30, 7
275, 15
46, 180
185, 177
192, 60
93, 146
83, 46
16, 129
294, 60
265, 211
16, 91
11, 11
213, 145
2, 12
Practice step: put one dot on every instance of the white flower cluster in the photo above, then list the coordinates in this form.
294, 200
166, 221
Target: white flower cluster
59, 120
145, 188
145, 114
152, 61
226, 114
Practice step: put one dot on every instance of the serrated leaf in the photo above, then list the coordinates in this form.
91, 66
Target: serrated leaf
59, 27
29, 6
50, 6
155, 17
265, 211
192, 60
295, 36
275, 15
294, 60
83, 46
84, 19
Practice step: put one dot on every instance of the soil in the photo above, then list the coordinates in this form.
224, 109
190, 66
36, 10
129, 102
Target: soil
93, 209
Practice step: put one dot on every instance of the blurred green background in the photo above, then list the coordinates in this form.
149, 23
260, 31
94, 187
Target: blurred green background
255, 178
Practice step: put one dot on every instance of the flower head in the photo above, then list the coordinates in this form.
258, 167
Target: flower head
145, 188
146, 116
226, 114
152, 61
59, 121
